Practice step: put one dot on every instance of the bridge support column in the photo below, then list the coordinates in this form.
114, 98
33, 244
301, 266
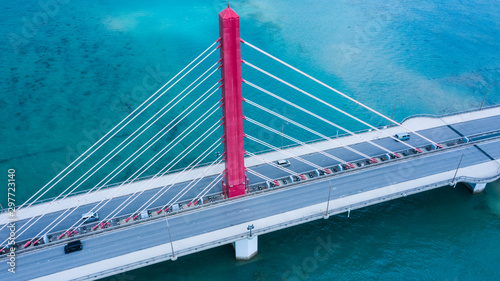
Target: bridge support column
232, 103
476, 188
246, 248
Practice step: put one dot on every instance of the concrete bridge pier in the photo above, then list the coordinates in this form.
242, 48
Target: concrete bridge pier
476, 188
247, 248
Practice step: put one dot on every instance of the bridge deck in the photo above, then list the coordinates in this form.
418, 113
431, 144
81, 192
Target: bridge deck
438, 129
286, 202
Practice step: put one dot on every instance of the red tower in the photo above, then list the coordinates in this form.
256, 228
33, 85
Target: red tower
230, 53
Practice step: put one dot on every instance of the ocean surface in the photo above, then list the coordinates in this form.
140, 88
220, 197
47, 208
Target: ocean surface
71, 71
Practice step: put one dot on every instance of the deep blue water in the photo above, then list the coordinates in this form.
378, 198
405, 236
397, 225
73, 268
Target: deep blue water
71, 74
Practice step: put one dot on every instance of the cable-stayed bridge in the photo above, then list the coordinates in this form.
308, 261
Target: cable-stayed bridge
242, 194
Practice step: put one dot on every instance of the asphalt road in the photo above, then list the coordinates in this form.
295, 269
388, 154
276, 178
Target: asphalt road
41, 263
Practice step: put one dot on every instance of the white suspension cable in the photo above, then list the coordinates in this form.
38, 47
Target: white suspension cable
140, 133
172, 183
208, 187
182, 173
327, 104
153, 115
284, 152
198, 103
134, 176
305, 128
259, 175
103, 137
73, 227
294, 140
191, 166
49, 207
208, 133
317, 116
72, 210
190, 185
145, 185
272, 164
163, 132
336, 91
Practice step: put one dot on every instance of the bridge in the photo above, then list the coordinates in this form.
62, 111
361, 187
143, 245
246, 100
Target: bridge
146, 220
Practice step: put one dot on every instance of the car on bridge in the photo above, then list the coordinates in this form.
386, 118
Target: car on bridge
90, 217
73, 247
402, 136
283, 163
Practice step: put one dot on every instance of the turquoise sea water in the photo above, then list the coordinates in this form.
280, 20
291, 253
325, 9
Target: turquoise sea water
72, 74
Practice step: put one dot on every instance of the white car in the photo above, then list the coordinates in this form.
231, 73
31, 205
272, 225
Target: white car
90, 217
283, 163
402, 136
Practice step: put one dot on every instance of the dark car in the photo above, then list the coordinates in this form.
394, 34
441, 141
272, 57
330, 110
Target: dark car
73, 247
